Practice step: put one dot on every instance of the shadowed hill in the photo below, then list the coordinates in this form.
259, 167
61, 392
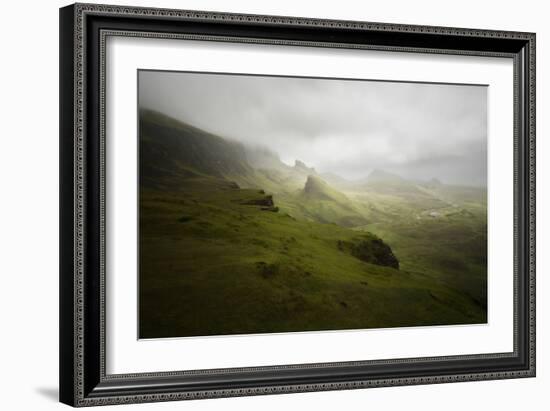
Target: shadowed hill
171, 149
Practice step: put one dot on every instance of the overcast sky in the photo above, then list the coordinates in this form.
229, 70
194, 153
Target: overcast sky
346, 127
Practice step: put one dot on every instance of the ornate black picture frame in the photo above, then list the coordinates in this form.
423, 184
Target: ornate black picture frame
83, 31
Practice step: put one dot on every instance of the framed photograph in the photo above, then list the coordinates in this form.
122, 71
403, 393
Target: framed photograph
262, 204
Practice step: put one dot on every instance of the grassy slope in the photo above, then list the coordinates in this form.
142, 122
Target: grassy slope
211, 265
441, 231
446, 240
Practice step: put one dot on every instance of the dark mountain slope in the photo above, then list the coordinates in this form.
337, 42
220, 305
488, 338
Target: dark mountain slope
170, 150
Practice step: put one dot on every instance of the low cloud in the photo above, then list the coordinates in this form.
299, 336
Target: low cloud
346, 127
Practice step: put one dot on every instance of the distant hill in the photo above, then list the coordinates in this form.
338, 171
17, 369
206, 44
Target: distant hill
433, 183
279, 177
381, 176
337, 181
316, 188
302, 168
388, 183
264, 158
319, 201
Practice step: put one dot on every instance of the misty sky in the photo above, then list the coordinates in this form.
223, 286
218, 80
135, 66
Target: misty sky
349, 128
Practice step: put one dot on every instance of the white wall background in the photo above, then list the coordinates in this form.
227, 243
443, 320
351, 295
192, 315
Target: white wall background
29, 204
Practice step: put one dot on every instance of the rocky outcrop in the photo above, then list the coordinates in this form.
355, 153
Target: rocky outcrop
314, 185
266, 201
375, 252
316, 188
370, 250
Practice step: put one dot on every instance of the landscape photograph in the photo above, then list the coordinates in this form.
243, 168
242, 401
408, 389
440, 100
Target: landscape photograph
274, 204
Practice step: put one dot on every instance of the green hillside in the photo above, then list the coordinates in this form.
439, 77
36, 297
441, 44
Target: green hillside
229, 247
